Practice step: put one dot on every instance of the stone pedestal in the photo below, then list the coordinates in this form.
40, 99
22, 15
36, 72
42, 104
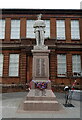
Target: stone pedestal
40, 64
36, 102
40, 70
41, 100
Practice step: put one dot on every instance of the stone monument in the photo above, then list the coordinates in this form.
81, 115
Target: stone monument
40, 98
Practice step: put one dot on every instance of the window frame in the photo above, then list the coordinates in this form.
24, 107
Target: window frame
46, 35
76, 71
4, 28
74, 29
1, 75
14, 27
62, 75
17, 67
27, 31
64, 34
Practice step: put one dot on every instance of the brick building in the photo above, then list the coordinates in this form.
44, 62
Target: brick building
63, 37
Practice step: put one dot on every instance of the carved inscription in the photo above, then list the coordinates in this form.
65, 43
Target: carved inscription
40, 67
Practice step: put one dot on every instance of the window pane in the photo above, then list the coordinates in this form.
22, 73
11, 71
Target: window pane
76, 63
15, 29
2, 29
47, 28
1, 64
61, 65
60, 29
29, 29
14, 65
75, 33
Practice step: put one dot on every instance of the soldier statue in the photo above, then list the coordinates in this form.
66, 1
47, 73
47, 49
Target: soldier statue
39, 31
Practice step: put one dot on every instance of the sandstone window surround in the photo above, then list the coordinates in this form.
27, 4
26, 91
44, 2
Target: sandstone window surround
61, 65
60, 30
2, 29
75, 32
30, 30
76, 63
14, 65
15, 29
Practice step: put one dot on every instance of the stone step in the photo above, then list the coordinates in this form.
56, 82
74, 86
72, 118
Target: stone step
41, 106
36, 92
42, 98
39, 95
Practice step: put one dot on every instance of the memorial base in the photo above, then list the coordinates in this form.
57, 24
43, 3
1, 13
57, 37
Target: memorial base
41, 99
37, 101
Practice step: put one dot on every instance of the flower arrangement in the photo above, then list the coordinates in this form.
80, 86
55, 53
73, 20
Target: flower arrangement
40, 85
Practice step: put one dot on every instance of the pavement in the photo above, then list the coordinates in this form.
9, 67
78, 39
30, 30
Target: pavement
11, 101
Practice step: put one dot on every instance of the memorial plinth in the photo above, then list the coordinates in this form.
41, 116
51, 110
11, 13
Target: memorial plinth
40, 98
40, 69
40, 64
41, 103
36, 102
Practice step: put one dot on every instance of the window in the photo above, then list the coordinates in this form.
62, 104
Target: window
76, 63
1, 64
30, 30
14, 65
61, 65
75, 34
47, 28
60, 29
2, 29
15, 29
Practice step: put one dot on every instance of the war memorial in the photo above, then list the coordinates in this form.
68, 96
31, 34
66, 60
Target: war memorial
40, 97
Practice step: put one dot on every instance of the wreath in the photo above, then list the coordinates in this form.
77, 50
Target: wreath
40, 85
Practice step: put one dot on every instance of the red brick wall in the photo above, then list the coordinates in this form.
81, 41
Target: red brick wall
23, 27
7, 30
29, 68
6, 64
68, 30
6, 79
53, 67
25, 67
53, 28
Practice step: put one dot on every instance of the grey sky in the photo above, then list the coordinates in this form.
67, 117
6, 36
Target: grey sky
41, 4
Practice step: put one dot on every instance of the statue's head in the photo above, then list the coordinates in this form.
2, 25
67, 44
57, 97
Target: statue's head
39, 16
39, 22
